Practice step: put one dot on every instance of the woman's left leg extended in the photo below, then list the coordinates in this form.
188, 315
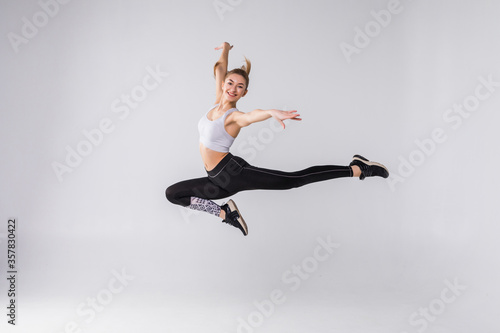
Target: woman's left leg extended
266, 179
237, 175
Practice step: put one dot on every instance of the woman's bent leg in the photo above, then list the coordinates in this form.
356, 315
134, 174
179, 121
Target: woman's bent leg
196, 194
180, 193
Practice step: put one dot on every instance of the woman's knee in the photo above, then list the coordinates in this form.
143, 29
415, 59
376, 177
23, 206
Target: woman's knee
174, 197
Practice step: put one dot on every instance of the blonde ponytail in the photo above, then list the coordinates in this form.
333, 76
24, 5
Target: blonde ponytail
247, 67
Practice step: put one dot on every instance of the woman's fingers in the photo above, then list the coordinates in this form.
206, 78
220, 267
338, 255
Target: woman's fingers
280, 115
220, 47
294, 116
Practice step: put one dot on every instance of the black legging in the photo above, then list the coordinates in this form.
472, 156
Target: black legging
233, 174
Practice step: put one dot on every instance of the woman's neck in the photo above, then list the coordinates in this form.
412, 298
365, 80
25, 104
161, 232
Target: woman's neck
226, 105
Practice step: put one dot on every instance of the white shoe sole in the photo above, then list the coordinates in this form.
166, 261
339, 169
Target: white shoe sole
367, 162
370, 163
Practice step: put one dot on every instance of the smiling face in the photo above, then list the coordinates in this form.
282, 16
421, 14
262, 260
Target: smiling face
234, 87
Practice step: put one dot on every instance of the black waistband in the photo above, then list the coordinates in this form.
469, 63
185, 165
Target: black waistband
220, 165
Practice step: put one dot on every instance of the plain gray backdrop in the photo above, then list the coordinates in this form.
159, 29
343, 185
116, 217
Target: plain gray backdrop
412, 84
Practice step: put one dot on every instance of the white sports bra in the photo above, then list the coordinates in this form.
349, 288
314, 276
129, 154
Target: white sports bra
213, 135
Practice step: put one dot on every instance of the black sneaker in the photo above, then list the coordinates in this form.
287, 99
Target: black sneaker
369, 169
233, 217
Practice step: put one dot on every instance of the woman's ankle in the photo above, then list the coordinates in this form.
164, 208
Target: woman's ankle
356, 171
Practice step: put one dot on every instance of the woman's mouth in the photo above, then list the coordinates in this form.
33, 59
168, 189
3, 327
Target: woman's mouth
232, 95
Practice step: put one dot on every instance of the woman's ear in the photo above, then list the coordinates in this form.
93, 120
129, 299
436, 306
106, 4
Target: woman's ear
246, 90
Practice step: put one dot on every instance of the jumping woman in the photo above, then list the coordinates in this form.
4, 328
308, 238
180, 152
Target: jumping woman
228, 174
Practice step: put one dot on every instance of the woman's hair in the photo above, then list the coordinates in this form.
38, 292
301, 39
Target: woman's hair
243, 71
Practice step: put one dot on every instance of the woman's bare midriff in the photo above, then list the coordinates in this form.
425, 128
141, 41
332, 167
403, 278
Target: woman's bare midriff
210, 157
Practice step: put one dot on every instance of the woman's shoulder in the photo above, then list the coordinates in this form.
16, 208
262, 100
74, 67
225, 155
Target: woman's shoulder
234, 114
235, 111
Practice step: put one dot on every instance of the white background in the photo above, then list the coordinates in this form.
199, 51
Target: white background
401, 241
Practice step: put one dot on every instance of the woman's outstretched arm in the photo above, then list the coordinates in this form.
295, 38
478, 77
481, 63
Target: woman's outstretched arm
245, 119
220, 69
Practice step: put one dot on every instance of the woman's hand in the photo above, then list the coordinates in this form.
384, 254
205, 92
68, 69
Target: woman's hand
280, 115
224, 46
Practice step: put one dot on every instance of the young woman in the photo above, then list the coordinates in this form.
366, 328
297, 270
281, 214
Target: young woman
228, 174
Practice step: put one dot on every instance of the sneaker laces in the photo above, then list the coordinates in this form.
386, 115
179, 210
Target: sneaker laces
366, 172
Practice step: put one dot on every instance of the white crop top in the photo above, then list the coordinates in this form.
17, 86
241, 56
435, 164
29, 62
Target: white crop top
213, 135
